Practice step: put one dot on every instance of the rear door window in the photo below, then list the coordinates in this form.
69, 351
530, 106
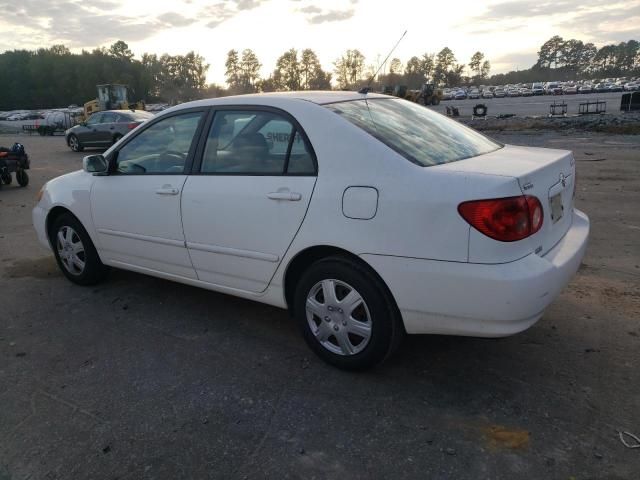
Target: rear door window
255, 143
109, 117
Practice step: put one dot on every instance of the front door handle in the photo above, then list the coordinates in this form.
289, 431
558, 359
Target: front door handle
289, 196
168, 190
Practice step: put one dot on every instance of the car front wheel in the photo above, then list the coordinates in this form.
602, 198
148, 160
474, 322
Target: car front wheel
346, 315
75, 252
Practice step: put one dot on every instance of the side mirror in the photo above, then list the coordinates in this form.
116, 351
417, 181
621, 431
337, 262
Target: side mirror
95, 164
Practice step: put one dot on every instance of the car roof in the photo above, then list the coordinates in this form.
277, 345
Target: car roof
319, 97
121, 111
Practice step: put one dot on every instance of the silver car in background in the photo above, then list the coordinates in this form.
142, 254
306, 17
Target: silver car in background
103, 129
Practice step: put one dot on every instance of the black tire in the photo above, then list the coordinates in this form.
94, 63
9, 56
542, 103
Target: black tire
386, 329
22, 177
6, 178
435, 101
94, 270
74, 143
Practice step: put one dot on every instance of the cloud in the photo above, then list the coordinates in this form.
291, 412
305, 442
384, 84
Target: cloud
75, 24
607, 25
219, 13
173, 19
311, 9
519, 9
331, 16
513, 60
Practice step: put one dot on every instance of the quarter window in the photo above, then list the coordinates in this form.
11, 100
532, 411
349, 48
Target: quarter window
161, 148
255, 143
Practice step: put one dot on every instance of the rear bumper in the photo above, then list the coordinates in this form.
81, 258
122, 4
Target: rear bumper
484, 300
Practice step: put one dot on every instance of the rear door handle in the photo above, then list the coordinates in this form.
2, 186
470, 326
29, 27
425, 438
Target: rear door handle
168, 190
289, 196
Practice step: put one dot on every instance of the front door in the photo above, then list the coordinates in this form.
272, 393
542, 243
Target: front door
245, 204
136, 209
87, 132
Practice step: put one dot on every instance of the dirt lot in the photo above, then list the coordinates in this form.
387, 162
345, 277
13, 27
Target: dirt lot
140, 378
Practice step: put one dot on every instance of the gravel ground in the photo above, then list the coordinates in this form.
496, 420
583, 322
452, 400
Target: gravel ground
141, 378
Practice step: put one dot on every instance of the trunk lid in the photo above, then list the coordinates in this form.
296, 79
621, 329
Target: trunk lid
547, 174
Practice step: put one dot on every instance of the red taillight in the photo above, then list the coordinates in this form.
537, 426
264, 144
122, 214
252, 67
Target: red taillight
505, 219
132, 125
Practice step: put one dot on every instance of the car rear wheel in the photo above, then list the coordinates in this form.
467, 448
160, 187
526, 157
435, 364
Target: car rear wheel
75, 144
75, 252
346, 315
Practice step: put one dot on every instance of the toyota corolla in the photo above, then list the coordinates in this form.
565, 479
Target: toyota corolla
368, 217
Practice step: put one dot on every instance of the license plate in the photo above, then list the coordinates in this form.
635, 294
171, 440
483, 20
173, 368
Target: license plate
556, 207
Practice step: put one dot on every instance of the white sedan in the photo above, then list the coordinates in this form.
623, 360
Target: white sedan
367, 216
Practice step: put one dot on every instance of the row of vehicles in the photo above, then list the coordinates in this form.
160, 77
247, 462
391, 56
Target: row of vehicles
608, 85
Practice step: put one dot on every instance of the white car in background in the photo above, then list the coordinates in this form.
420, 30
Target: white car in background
367, 216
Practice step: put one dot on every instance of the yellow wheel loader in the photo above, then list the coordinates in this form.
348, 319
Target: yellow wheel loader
111, 97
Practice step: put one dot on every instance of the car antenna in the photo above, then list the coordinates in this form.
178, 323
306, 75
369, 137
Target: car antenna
367, 89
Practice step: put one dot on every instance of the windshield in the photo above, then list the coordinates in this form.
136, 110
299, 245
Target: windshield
419, 134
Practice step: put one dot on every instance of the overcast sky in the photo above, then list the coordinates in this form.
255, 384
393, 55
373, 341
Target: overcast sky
508, 32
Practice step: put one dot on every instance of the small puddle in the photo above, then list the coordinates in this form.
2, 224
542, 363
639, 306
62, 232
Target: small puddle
41, 267
499, 437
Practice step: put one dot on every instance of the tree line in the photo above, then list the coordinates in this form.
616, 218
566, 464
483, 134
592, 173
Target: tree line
55, 77
572, 59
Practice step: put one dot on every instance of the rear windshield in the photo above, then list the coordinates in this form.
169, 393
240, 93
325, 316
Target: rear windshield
415, 132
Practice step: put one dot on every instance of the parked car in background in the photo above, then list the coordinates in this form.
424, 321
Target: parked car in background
487, 94
367, 216
474, 93
553, 89
513, 92
613, 88
526, 92
631, 87
103, 129
499, 93
537, 89
570, 89
585, 89
459, 95
447, 94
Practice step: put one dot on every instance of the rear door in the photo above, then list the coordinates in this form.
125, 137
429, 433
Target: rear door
106, 128
247, 196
